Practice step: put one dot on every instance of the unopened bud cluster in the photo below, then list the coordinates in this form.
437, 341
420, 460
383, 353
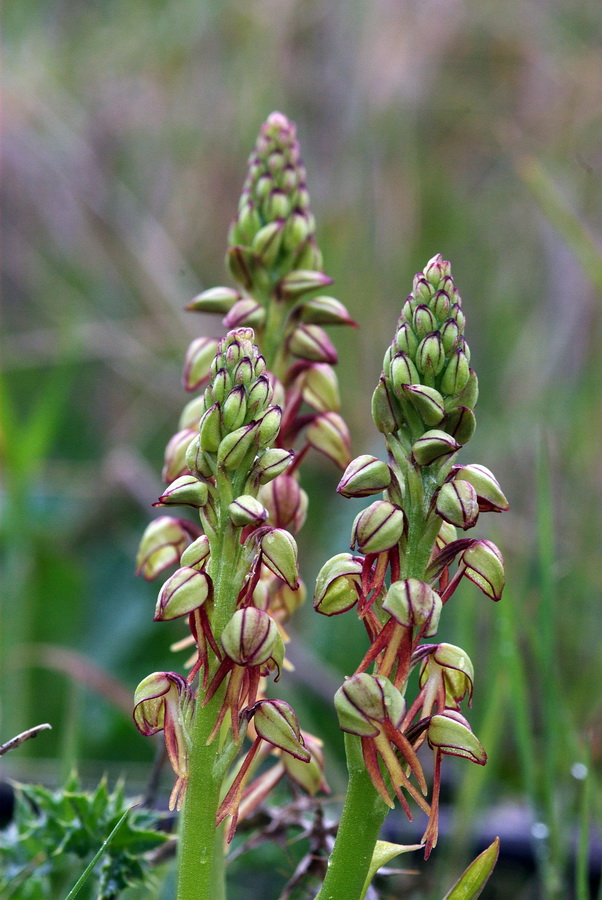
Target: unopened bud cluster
274, 258
428, 388
274, 226
424, 406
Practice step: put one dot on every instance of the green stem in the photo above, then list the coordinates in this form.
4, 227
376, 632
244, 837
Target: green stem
362, 818
198, 861
201, 865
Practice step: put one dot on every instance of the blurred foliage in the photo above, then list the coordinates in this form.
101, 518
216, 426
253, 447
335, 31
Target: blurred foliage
426, 125
56, 832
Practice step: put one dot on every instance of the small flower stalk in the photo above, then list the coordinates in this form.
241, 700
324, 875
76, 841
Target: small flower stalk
409, 563
265, 395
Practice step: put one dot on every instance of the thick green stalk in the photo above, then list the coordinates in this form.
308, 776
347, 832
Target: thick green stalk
197, 860
362, 818
364, 810
201, 869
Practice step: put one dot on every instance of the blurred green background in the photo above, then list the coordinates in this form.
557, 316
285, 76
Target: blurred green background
454, 126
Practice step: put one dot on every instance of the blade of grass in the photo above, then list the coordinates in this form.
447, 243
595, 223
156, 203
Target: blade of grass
565, 221
88, 870
554, 722
583, 773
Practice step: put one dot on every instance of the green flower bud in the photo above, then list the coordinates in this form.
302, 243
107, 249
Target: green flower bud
378, 527
296, 230
328, 434
276, 723
185, 591
219, 388
263, 186
234, 409
453, 666
311, 342
197, 363
175, 455
422, 290
237, 345
364, 476
456, 374
289, 179
460, 423
234, 446
259, 395
196, 555
449, 334
210, 429
269, 425
309, 776
405, 340
259, 366
424, 321
301, 197
267, 243
247, 510
301, 281
215, 300
485, 567
246, 225
279, 554
243, 373
186, 491
433, 446
245, 312
489, 493
450, 733
277, 205
157, 695
365, 701
286, 503
191, 414
427, 402
338, 585
251, 638
276, 162
470, 394
459, 316
430, 356
320, 388
382, 410
436, 269
402, 371
271, 463
242, 265
457, 504
447, 284
161, 545
325, 311
414, 604
197, 461
308, 256
440, 305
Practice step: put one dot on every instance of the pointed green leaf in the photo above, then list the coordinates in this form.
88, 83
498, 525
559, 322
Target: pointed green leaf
384, 853
475, 877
